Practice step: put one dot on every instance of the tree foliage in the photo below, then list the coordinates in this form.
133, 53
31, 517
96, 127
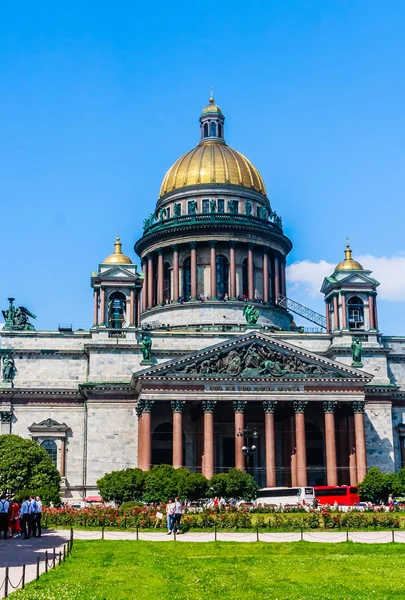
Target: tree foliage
26, 466
122, 486
377, 486
234, 484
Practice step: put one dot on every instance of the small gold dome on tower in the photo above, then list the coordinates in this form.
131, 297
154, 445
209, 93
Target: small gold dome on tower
118, 257
348, 264
211, 107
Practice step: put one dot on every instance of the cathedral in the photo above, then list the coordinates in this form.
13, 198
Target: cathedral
194, 359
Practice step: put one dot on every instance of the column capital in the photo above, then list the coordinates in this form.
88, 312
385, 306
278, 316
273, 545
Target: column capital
358, 407
251, 246
239, 405
329, 406
175, 247
160, 251
177, 405
212, 243
209, 405
300, 406
144, 406
193, 245
269, 406
232, 244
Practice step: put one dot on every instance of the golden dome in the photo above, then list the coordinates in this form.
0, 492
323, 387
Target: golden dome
211, 108
212, 162
348, 264
117, 256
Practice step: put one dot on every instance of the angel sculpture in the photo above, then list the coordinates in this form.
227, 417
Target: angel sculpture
17, 318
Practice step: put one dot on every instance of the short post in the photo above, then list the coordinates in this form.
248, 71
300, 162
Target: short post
46, 561
257, 533
71, 538
347, 534
64, 552
393, 536
137, 531
60, 556
302, 533
23, 578
38, 559
174, 535
215, 532
102, 532
6, 584
54, 557
125, 521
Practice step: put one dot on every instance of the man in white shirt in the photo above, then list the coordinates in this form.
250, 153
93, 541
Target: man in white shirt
4, 507
38, 516
25, 515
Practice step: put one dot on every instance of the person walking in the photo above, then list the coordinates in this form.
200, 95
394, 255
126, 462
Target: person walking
177, 513
170, 516
33, 510
4, 508
25, 515
38, 516
14, 518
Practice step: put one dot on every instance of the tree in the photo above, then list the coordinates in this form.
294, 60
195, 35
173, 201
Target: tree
234, 484
122, 486
377, 486
195, 487
162, 483
24, 465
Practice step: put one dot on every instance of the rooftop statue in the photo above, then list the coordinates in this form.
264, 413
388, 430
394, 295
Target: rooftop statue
357, 348
9, 369
17, 318
146, 348
148, 222
251, 314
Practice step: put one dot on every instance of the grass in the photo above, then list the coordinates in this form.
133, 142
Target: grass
128, 570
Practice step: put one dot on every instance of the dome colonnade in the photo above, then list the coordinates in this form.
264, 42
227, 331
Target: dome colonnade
213, 237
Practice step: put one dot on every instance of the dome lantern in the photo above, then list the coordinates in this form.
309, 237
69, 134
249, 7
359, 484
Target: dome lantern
117, 256
348, 264
212, 122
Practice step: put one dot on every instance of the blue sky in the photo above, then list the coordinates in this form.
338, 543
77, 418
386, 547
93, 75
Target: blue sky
99, 99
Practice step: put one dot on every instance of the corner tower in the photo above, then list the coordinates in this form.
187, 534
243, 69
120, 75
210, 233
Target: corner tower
213, 241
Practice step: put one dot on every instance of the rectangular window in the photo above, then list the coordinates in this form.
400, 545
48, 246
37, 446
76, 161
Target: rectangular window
221, 205
206, 206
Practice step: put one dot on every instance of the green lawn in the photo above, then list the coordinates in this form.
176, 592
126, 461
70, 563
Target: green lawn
130, 570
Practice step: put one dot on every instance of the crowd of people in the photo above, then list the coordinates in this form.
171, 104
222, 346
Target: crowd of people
20, 520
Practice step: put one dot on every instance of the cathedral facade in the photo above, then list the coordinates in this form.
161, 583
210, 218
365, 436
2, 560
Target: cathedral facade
194, 358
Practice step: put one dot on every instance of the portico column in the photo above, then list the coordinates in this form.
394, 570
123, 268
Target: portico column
327, 317
335, 312
131, 307
239, 408
251, 279
160, 281
145, 284
213, 270
177, 408
95, 319
232, 271
300, 442
144, 409
63, 457
269, 408
358, 409
193, 271
150, 281
102, 306
344, 315
176, 288
371, 311
276, 278
330, 442
208, 408
265, 277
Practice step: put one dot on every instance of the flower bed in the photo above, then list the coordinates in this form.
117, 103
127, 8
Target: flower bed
144, 517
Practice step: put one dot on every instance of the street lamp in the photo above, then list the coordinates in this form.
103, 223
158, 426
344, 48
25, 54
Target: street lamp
248, 448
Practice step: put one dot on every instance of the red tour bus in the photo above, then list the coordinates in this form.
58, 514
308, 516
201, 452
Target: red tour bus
346, 495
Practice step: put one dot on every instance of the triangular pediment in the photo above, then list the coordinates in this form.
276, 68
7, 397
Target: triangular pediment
117, 273
254, 356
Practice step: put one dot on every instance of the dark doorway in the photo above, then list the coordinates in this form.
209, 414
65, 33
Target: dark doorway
315, 455
162, 444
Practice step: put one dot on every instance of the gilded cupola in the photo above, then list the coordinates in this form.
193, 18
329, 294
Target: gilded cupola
117, 256
348, 264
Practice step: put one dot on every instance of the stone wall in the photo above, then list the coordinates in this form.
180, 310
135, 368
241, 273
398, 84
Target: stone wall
379, 436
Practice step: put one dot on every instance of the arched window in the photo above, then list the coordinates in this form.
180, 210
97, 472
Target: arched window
116, 310
222, 276
219, 130
245, 284
355, 312
213, 129
205, 129
167, 288
187, 279
50, 448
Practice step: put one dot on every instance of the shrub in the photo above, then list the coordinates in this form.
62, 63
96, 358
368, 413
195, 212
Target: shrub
122, 486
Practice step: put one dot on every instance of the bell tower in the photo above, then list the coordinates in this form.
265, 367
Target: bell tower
350, 297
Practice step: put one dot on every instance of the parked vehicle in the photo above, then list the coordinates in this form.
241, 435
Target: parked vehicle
284, 496
344, 495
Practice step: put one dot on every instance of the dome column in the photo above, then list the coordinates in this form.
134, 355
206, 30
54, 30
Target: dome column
150, 281
371, 311
176, 290
193, 274
335, 312
232, 271
138, 309
213, 269
145, 285
251, 278
95, 319
102, 306
276, 278
327, 315
160, 282
282, 277
344, 311
131, 307
266, 279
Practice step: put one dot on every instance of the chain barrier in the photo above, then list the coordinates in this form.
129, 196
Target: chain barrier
321, 536
286, 536
89, 536
372, 539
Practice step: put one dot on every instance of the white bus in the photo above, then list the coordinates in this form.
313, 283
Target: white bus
283, 496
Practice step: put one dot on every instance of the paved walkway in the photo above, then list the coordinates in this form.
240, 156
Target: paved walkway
17, 552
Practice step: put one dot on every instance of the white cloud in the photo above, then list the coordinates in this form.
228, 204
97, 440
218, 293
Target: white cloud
306, 277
